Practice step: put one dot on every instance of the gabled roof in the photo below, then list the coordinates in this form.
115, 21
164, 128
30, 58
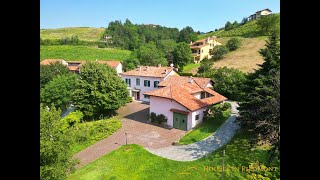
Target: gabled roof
178, 80
149, 71
183, 94
50, 61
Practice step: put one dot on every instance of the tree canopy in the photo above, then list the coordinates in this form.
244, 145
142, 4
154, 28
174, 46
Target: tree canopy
269, 24
59, 90
182, 55
187, 35
100, 91
48, 72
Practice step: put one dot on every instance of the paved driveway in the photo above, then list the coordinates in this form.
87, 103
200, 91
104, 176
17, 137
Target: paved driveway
134, 121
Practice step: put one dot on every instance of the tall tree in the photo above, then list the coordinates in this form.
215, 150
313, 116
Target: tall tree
187, 35
228, 26
269, 24
150, 55
182, 55
59, 90
100, 91
167, 46
131, 62
260, 110
228, 81
54, 146
48, 72
235, 24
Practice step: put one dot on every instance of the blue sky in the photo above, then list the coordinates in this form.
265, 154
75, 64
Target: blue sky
201, 15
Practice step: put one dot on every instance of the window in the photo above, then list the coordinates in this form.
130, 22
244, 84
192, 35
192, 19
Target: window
146, 83
137, 82
128, 81
197, 117
155, 83
146, 96
203, 95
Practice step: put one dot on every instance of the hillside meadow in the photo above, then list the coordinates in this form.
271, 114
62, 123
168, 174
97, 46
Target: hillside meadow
69, 52
83, 33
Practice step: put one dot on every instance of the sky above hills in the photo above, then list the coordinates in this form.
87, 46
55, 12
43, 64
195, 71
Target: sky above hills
203, 15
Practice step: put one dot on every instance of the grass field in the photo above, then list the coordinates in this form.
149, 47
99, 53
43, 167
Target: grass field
134, 162
82, 53
83, 33
205, 129
190, 67
246, 58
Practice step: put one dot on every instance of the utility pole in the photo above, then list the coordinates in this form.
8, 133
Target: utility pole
222, 177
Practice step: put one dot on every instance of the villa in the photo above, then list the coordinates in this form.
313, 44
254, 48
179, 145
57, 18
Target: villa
201, 48
183, 100
258, 14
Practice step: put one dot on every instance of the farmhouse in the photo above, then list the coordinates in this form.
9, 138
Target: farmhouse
258, 14
201, 48
183, 100
75, 66
146, 78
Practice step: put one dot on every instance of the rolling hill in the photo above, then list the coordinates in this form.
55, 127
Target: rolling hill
82, 53
83, 33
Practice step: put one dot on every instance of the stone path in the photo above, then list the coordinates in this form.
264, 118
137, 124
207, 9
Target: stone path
199, 149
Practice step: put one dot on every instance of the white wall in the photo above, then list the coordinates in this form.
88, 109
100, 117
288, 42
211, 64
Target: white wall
142, 88
193, 117
162, 106
119, 68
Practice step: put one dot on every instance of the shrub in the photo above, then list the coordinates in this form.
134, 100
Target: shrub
219, 52
161, 119
101, 45
153, 117
217, 109
205, 65
233, 44
71, 119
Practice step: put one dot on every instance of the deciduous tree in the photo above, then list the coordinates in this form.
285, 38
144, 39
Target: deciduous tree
182, 55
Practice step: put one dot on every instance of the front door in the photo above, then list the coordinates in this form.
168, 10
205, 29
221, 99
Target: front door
180, 121
138, 95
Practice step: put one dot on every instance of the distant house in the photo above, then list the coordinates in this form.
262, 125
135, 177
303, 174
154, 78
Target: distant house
145, 78
201, 48
75, 66
183, 100
258, 14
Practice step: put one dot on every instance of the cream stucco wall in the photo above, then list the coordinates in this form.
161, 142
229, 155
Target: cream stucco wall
119, 68
204, 51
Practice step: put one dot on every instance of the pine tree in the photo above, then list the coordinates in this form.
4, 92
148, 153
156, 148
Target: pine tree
260, 110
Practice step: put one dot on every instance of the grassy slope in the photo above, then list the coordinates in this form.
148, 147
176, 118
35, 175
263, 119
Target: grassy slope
246, 57
84, 33
134, 162
190, 67
204, 130
82, 53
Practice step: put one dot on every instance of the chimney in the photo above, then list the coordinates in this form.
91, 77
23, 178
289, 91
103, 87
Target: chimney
159, 65
139, 68
147, 68
171, 65
190, 42
165, 71
176, 69
190, 80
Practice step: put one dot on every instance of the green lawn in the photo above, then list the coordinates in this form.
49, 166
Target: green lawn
205, 129
68, 52
190, 67
84, 33
88, 133
134, 162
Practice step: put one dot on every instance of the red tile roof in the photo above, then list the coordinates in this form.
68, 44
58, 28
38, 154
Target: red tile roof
151, 71
183, 94
50, 61
177, 80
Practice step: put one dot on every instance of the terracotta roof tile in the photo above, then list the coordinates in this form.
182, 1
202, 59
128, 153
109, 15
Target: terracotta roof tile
183, 94
50, 61
172, 80
152, 71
